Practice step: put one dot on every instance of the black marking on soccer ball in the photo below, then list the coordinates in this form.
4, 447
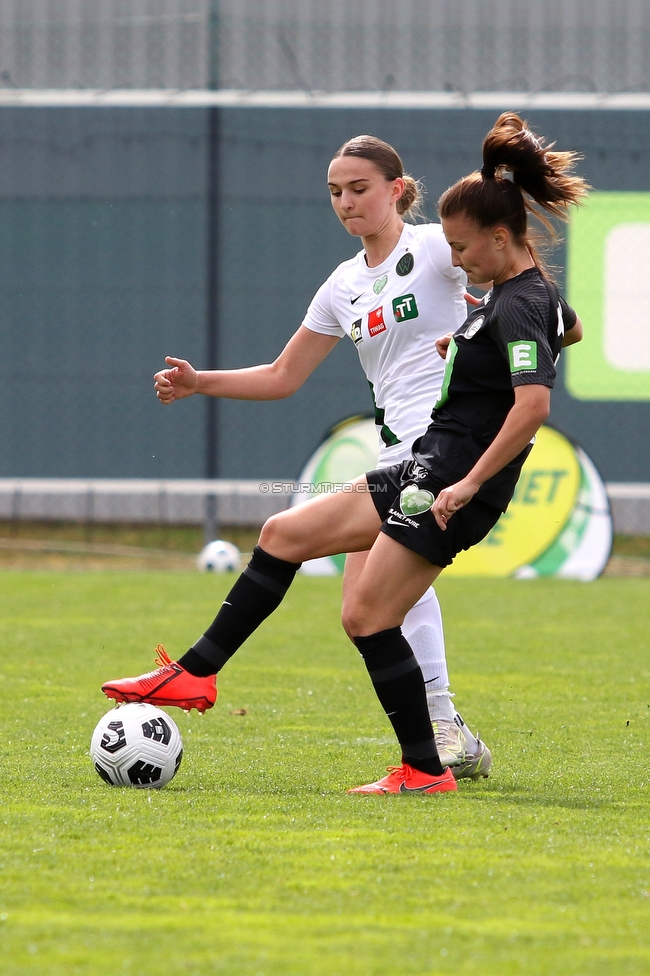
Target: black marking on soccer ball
104, 774
113, 743
143, 773
178, 761
158, 730
214, 567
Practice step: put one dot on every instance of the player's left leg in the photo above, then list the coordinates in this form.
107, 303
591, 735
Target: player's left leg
391, 581
423, 629
458, 747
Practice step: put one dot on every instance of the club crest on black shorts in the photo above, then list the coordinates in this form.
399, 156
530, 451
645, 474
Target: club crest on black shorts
414, 500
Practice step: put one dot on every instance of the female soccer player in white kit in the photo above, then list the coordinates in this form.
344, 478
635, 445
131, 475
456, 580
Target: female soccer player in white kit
393, 299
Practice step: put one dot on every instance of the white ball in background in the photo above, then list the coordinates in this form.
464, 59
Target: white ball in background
219, 557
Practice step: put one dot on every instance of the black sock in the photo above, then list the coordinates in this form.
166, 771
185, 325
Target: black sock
257, 593
398, 682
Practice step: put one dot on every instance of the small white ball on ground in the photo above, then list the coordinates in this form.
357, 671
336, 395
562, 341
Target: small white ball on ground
219, 557
136, 745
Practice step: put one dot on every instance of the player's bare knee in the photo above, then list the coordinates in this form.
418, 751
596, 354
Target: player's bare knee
272, 534
356, 619
345, 625
278, 537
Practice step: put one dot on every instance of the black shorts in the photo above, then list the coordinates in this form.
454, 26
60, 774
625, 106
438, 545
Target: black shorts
403, 495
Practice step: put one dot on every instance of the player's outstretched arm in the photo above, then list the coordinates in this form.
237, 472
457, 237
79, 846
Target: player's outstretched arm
270, 381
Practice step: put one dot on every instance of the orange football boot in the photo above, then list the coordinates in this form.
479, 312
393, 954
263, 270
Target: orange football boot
169, 684
405, 779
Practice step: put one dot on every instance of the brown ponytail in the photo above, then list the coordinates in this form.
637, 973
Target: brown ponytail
519, 176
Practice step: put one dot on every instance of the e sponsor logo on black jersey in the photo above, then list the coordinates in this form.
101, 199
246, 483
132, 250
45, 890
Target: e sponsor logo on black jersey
405, 307
355, 332
522, 356
405, 265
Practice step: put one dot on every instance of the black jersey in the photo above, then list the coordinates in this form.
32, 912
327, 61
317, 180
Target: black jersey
513, 338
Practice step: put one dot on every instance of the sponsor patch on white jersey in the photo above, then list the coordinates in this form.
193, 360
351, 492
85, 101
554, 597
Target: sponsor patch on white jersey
380, 284
376, 322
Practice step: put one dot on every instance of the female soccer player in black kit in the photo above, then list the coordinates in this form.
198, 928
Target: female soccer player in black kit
416, 516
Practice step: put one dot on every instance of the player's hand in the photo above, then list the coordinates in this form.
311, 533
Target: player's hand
442, 344
483, 286
451, 499
181, 380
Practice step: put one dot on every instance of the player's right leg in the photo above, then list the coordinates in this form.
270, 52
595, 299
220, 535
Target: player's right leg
322, 527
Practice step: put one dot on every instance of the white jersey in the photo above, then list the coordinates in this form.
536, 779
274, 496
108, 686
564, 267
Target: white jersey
394, 313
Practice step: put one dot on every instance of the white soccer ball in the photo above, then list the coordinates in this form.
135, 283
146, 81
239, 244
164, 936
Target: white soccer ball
219, 557
136, 745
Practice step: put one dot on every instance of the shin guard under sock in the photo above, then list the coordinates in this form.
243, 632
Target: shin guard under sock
257, 593
399, 685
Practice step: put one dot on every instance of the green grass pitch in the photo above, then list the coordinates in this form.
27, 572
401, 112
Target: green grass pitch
254, 860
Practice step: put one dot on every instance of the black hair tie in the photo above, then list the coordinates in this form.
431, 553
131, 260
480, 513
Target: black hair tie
488, 172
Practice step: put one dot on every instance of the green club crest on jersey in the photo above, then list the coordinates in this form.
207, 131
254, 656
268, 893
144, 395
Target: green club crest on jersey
405, 265
380, 284
414, 500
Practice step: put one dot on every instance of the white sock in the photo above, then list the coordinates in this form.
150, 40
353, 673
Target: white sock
423, 630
